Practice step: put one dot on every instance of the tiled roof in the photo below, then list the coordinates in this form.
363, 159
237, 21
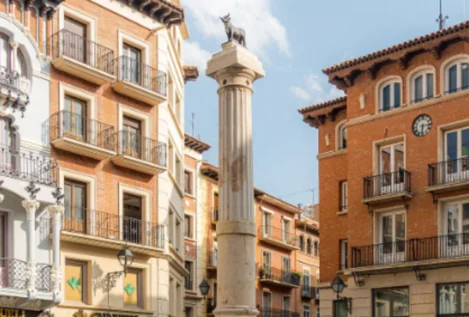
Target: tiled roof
195, 144
164, 11
322, 105
399, 47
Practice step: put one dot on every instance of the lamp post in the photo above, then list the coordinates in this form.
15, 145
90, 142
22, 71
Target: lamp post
338, 286
125, 258
204, 288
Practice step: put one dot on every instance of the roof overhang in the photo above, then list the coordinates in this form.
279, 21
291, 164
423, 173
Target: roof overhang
191, 73
318, 114
164, 11
195, 144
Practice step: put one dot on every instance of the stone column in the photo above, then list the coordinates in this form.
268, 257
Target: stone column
235, 69
56, 276
31, 206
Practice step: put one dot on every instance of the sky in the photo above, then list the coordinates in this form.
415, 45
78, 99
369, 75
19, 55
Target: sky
295, 40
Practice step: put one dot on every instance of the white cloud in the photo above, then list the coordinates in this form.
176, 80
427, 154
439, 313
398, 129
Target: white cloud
194, 55
315, 90
262, 28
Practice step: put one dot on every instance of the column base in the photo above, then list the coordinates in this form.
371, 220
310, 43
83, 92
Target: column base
236, 311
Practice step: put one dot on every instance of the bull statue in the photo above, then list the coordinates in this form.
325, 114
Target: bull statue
233, 32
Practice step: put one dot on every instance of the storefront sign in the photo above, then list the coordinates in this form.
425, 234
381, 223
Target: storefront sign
9, 312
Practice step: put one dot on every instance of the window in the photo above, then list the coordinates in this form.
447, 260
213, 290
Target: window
133, 289
76, 281
178, 235
188, 227
316, 248
188, 312
389, 302
74, 39
5, 53
21, 67
266, 304
267, 223
453, 299
392, 233
286, 265
131, 64
390, 96
340, 308
457, 77
343, 196
306, 311
266, 269
302, 242
133, 217
74, 117
309, 247
457, 155
306, 282
317, 311
392, 168
286, 231
131, 136
75, 213
343, 254
456, 230
188, 278
286, 300
342, 137
6, 57
422, 86
188, 182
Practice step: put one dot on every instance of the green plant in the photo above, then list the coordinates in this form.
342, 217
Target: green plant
297, 274
262, 271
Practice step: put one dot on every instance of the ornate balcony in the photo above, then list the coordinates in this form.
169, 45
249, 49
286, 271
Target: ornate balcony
140, 82
308, 292
14, 89
77, 134
274, 276
277, 313
92, 227
278, 237
444, 250
139, 153
387, 187
27, 166
14, 275
84, 59
448, 175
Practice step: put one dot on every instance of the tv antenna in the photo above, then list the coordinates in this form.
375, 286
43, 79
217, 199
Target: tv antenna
441, 20
193, 123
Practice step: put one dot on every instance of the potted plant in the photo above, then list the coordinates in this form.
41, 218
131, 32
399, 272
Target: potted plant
262, 272
296, 278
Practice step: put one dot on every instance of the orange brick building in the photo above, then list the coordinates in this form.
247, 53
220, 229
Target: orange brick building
393, 179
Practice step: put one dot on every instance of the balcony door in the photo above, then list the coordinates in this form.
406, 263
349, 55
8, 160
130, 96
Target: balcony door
132, 222
306, 282
457, 155
131, 64
392, 234
132, 137
456, 235
286, 231
286, 275
266, 224
74, 40
74, 118
267, 263
266, 304
286, 302
391, 168
75, 212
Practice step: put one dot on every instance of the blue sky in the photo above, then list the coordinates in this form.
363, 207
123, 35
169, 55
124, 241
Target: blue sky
295, 40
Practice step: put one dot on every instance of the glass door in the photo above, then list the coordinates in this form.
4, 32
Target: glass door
131, 137
391, 165
457, 155
392, 229
131, 64
266, 304
74, 118
267, 224
75, 206
456, 239
286, 273
74, 41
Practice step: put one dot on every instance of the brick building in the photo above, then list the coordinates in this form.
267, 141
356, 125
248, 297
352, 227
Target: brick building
394, 178
287, 247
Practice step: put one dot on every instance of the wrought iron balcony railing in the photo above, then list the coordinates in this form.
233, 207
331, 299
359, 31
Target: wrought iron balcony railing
80, 128
14, 274
277, 313
447, 172
387, 184
73, 46
278, 234
145, 76
438, 247
278, 275
112, 226
140, 147
27, 165
13, 81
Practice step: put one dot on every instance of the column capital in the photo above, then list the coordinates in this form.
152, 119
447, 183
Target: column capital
56, 209
14, 45
30, 204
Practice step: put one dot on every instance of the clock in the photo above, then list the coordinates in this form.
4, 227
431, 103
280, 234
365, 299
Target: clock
422, 125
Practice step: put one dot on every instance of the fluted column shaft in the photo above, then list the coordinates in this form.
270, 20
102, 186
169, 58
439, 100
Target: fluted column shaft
56, 276
31, 206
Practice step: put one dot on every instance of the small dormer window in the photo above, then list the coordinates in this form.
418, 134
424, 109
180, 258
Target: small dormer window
422, 86
390, 95
457, 77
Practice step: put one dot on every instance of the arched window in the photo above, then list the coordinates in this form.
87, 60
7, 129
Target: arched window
309, 246
21, 64
390, 95
316, 248
4, 52
342, 138
457, 76
302, 243
422, 85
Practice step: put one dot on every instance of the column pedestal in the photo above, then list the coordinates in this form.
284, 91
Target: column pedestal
235, 69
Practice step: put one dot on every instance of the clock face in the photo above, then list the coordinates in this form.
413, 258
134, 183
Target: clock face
422, 125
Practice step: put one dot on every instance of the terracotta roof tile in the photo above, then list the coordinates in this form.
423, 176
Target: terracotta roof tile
324, 104
398, 47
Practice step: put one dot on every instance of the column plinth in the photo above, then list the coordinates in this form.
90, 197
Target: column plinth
235, 69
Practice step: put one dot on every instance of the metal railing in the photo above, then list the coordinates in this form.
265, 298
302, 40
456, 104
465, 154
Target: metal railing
307, 292
138, 73
14, 274
391, 107
271, 273
140, 147
112, 226
438, 247
78, 48
450, 171
27, 165
212, 259
452, 91
13, 81
277, 313
387, 184
422, 99
278, 234
80, 128
215, 214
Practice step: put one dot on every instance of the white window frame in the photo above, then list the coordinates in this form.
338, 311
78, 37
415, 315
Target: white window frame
306, 310
379, 236
267, 228
420, 71
284, 297
286, 229
344, 196
457, 62
143, 117
341, 127
191, 223
146, 204
379, 93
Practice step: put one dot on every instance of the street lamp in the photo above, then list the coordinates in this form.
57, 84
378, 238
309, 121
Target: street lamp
126, 258
204, 287
338, 286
